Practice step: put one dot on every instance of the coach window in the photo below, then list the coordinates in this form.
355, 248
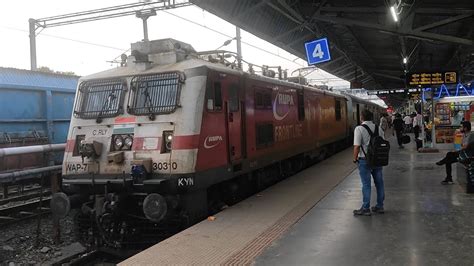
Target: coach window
214, 97
338, 110
263, 99
300, 105
264, 135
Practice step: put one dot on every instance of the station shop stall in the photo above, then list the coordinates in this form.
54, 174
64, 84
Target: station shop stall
449, 112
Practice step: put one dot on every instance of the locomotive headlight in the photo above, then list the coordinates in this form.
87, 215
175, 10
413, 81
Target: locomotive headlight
118, 142
167, 141
128, 142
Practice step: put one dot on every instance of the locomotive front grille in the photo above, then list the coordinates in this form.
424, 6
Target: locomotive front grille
100, 98
155, 94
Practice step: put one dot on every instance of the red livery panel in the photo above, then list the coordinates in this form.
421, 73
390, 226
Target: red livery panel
246, 118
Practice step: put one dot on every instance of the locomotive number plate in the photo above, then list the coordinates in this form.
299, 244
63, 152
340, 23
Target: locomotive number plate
76, 168
165, 166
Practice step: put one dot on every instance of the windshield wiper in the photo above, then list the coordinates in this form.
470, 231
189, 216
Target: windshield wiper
148, 103
106, 107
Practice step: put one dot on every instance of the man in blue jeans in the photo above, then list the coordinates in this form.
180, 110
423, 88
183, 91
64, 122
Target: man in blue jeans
361, 143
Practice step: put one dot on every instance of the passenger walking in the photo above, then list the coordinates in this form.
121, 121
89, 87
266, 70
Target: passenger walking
384, 124
361, 145
408, 121
417, 124
398, 127
452, 156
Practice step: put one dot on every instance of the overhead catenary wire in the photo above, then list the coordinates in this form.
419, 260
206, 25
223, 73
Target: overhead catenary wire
229, 36
67, 39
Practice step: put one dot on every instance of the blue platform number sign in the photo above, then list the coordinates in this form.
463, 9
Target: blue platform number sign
317, 51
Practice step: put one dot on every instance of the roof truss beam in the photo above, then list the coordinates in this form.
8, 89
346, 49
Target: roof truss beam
392, 30
443, 22
252, 9
294, 16
383, 9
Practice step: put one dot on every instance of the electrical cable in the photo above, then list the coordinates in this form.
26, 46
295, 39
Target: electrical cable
67, 39
226, 35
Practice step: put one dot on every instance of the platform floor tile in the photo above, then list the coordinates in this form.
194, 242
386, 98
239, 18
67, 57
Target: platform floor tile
242, 232
425, 223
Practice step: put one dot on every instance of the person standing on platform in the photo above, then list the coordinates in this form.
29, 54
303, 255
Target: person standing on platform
384, 124
417, 124
361, 144
408, 121
452, 156
398, 127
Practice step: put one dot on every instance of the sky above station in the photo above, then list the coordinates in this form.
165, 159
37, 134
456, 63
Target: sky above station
86, 48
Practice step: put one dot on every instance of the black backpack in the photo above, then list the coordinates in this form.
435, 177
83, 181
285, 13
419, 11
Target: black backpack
378, 149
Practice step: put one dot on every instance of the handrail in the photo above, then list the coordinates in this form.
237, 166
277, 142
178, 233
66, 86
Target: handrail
30, 172
31, 149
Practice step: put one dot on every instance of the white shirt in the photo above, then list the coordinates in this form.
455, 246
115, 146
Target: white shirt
383, 123
407, 120
418, 120
467, 138
362, 136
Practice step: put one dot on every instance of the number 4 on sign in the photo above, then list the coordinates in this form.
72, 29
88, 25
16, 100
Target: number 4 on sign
318, 51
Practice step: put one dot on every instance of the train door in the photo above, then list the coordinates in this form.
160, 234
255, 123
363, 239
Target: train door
234, 125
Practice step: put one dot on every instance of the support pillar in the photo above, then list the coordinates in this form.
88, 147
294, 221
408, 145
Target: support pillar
55, 185
32, 27
239, 47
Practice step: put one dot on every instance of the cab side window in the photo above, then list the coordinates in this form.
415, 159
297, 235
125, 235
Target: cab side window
234, 98
214, 97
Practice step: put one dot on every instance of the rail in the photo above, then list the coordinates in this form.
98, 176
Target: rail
24, 211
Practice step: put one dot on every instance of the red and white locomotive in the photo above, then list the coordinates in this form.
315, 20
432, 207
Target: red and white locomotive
168, 136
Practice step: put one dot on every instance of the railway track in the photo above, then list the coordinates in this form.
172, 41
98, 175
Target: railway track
101, 256
26, 195
16, 190
23, 211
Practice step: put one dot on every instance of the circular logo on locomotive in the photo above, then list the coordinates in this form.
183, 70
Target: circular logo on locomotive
212, 141
284, 101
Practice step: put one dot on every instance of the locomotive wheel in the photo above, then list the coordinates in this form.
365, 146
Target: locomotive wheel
85, 230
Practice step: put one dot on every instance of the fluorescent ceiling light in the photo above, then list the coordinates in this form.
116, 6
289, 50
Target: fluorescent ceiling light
394, 13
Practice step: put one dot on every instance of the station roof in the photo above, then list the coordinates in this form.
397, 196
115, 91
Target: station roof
366, 44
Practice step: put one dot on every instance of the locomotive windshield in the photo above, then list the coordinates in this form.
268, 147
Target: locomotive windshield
100, 98
155, 94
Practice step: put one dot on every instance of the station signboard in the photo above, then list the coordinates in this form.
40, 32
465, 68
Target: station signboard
394, 91
431, 78
437, 92
317, 51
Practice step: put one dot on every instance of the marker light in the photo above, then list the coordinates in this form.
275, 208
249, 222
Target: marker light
394, 13
167, 141
405, 60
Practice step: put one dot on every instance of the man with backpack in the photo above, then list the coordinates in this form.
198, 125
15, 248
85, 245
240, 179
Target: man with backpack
370, 153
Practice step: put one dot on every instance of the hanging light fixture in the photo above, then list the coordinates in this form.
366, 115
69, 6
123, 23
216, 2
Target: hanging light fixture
393, 10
